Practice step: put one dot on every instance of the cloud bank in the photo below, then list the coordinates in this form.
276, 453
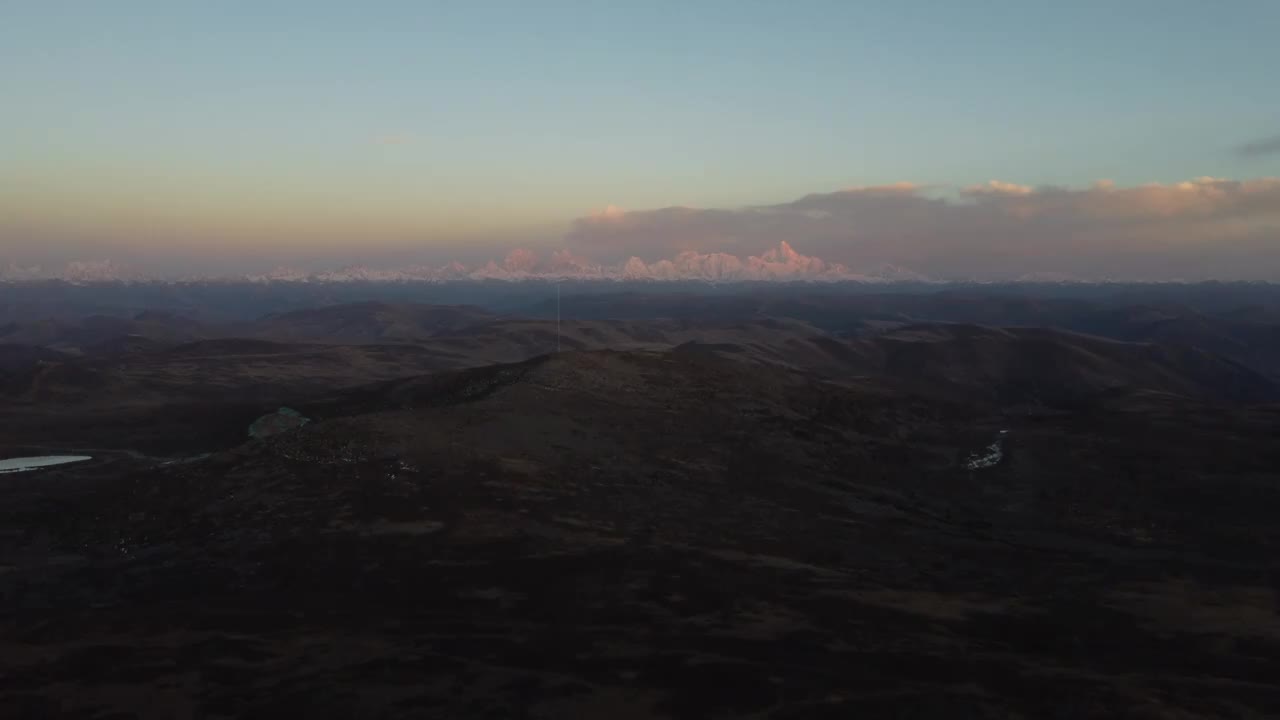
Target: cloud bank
1206, 228
1260, 148
1202, 228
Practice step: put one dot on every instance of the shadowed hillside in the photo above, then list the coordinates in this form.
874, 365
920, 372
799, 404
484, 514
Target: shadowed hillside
371, 322
1011, 365
688, 517
613, 531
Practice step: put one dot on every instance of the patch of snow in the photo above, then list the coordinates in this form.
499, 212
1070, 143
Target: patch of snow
23, 464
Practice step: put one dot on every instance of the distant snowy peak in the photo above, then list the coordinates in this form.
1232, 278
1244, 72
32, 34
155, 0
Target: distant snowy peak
1049, 277
97, 271
782, 263
13, 272
897, 273
78, 272
281, 275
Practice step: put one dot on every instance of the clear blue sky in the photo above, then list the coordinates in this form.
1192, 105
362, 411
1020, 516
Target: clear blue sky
453, 120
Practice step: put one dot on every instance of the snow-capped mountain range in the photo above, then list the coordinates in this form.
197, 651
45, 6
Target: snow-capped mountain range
78, 272
779, 264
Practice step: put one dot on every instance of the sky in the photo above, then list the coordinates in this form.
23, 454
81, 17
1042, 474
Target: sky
235, 135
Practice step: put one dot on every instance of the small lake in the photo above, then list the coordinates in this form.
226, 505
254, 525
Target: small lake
23, 464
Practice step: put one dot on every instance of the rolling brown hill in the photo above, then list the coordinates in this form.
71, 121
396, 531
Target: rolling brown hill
140, 372
1013, 365
364, 323
666, 534
84, 334
159, 396
1249, 335
238, 379
1040, 364
219, 370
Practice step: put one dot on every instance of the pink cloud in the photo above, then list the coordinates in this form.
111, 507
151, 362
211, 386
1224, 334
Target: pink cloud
1205, 226
996, 187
